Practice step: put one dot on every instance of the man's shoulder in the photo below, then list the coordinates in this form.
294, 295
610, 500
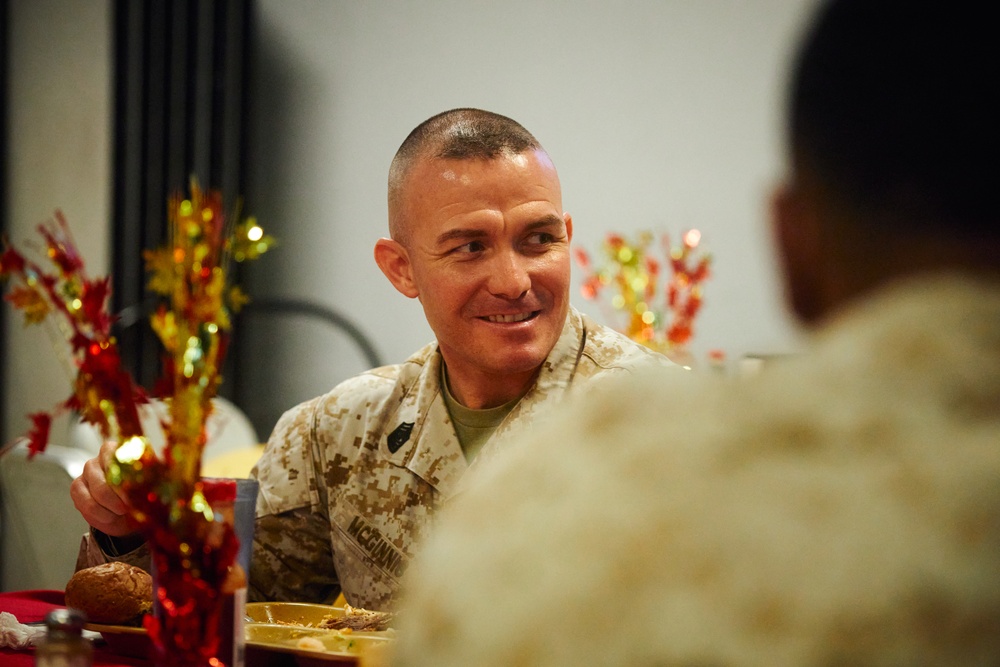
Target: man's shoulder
363, 392
376, 383
606, 349
333, 423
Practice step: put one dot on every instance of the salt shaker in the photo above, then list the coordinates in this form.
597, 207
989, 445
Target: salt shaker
64, 644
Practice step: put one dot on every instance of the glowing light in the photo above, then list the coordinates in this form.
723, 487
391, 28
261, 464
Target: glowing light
649, 317
692, 238
193, 351
198, 502
200, 505
255, 233
131, 450
76, 304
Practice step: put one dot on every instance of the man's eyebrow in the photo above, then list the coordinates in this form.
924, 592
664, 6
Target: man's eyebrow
469, 233
547, 221
460, 233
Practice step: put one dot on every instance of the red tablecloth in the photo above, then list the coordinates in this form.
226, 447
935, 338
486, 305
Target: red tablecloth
31, 606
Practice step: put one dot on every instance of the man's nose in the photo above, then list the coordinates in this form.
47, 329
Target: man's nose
509, 276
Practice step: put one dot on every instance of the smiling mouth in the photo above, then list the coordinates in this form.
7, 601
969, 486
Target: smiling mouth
511, 319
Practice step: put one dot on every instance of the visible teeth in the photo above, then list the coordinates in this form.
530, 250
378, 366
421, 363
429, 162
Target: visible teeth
507, 319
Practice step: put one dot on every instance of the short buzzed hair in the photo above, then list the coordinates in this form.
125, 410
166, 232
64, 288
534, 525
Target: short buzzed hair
893, 109
458, 134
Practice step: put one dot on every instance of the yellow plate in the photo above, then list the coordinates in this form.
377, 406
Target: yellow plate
298, 613
325, 646
273, 627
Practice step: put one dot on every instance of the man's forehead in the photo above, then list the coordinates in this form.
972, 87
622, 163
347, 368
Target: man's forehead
453, 186
451, 165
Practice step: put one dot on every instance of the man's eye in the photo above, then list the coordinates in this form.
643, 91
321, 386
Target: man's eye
471, 247
540, 238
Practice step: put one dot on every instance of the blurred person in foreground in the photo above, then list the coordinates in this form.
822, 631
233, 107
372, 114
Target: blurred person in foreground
840, 508
350, 481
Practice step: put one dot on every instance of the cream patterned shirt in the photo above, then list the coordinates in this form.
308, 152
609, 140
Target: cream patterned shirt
840, 508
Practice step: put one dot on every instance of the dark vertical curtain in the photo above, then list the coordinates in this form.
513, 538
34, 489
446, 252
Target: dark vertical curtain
180, 95
3, 196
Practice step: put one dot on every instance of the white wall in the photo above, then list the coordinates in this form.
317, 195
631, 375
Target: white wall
59, 156
660, 114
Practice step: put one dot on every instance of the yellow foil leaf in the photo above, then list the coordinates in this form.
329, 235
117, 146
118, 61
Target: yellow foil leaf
31, 302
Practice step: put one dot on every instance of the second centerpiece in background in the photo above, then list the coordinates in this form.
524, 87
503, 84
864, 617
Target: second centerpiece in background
648, 304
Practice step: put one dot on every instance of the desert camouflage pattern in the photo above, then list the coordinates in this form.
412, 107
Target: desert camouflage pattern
840, 508
350, 481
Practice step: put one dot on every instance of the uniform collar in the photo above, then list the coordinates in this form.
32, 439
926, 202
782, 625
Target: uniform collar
419, 434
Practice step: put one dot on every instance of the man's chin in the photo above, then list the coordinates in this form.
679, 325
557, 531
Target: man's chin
519, 366
522, 361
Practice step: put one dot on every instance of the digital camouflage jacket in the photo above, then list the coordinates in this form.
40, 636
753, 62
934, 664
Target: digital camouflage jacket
350, 481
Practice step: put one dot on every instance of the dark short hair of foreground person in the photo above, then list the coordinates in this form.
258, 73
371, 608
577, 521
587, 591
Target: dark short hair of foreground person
840, 508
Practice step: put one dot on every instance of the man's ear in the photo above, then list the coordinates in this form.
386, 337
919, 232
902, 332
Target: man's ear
568, 219
394, 262
798, 237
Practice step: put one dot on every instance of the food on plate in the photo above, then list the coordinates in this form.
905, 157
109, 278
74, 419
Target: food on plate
310, 644
357, 619
111, 593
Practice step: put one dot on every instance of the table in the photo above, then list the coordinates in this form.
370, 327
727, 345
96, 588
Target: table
31, 606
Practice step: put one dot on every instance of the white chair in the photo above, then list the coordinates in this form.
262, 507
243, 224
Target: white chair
41, 526
228, 429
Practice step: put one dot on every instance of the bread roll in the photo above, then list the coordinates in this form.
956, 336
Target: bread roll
111, 593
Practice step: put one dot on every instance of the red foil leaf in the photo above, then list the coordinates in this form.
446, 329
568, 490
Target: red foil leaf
11, 262
38, 436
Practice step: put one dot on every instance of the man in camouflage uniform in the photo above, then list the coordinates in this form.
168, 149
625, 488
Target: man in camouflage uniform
349, 481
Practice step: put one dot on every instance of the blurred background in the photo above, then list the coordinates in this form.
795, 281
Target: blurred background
661, 115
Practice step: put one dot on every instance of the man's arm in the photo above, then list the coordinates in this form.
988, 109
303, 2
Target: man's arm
292, 559
292, 556
110, 537
100, 504
97, 548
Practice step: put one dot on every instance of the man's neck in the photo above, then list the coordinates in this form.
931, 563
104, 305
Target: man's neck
870, 263
480, 391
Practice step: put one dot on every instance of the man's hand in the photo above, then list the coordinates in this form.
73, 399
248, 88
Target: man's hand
99, 503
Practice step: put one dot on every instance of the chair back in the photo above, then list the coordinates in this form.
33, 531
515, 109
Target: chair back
227, 429
41, 526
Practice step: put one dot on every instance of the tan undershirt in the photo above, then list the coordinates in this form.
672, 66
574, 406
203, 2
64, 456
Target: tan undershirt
473, 427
